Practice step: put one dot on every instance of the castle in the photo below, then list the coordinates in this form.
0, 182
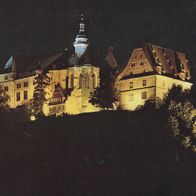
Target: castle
149, 73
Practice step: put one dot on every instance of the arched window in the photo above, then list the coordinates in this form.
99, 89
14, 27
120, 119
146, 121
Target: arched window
67, 83
86, 81
71, 81
94, 81
80, 80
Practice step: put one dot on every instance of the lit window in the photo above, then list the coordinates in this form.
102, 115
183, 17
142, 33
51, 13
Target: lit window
131, 97
25, 95
18, 96
18, 85
144, 82
144, 95
6, 88
25, 84
131, 85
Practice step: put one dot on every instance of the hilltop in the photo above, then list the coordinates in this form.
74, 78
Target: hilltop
105, 153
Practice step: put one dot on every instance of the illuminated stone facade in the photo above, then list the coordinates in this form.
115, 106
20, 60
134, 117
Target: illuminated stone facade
70, 84
151, 71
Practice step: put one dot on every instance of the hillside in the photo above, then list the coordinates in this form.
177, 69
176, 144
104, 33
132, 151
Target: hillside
106, 153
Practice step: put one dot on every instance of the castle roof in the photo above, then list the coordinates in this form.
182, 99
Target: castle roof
25, 66
170, 62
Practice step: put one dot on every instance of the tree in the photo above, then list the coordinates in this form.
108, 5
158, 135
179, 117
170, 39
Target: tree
3, 98
193, 94
39, 95
181, 117
104, 95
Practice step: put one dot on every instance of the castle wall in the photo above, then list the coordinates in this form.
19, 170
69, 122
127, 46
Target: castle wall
20, 91
135, 92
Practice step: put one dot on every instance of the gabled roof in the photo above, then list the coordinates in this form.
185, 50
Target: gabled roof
168, 61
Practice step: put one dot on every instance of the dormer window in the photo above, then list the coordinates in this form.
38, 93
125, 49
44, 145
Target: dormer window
132, 64
141, 63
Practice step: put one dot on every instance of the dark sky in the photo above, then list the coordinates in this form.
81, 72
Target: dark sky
34, 27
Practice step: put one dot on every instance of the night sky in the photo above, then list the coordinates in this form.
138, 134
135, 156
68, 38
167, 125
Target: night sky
34, 27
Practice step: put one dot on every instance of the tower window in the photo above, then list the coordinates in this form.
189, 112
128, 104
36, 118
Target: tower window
87, 81
144, 95
80, 80
72, 81
94, 81
18, 96
25, 95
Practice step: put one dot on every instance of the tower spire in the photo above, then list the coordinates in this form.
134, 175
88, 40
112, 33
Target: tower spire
81, 41
82, 25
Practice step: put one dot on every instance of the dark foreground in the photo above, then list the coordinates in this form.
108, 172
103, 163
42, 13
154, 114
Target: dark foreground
107, 153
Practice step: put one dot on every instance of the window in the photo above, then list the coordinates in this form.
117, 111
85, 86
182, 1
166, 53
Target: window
144, 95
141, 63
6, 88
132, 64
6, 77
131, 85
72, 81
155, 54
87, 81
94, 81
144, 82
158, 60
18, 96
131, 96
18, 85
80, 80
25, 95
25, 84
67, 83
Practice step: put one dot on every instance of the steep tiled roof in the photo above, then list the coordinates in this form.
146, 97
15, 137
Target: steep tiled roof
170, 61
163, 61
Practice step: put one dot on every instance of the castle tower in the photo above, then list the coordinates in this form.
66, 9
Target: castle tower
81, 41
